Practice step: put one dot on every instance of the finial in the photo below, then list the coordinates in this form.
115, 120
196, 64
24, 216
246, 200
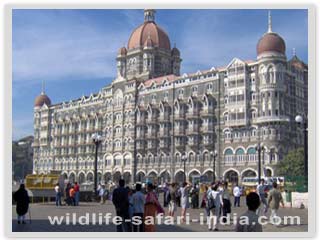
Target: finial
269, 22
294, 52
42, 90
149, 15
174, 45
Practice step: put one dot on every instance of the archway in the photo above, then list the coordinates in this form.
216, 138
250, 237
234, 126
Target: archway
107, 177
208, 176
140, 177
249, 173
81, 178
127, 177
165, 177
90, 177
72, 178
152, 177
65, 176
194, 176
116, 177
231, 176
179, 178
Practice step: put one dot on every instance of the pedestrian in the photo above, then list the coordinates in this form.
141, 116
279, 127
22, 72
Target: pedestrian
262, 195
77, 195
173, 200
166, 195
138, 201
67, 193
121, 202
274, 200
58, 194
72, 194
21, 197
101, 194
215, 195
237, 195
194, 196
226, 209
252, 219
184, 200
152, 207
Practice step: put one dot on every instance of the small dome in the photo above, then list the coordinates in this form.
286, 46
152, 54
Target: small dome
122, 51
271, 42
149, 29
175, 52
42, 99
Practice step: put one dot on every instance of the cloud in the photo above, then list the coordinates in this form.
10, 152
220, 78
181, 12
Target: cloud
61, 49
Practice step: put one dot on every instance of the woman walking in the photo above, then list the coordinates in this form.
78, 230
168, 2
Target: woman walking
184, 200
152, 207
226, 209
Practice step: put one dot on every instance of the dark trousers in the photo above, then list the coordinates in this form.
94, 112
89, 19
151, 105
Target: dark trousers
226, 208
58, 199
138, 227
237, 201
124, 226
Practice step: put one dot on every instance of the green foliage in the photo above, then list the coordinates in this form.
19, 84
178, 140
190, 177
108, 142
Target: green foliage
292, 164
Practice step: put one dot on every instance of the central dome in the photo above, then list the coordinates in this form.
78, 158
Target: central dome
149, 30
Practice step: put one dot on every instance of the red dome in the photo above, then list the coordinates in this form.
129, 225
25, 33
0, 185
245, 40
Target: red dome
271, 42
150, 30
42, 99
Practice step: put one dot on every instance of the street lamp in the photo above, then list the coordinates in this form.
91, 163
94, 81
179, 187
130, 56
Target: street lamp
214, 154
304, 123
97, 140
184, 159
259, 148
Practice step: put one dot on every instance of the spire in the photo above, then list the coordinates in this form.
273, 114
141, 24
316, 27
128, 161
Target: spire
149, 15
269, 22
294, 52
42, 89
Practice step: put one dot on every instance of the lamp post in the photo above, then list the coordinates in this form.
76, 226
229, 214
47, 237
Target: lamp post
184, 159
304, 123
214, 154
97, 139
259, 148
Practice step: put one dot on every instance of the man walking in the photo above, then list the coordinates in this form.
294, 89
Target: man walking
274, 200
121, 202
236, 194
261, 192
138, 201
173, 200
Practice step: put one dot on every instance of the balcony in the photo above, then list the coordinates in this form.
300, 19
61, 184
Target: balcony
164, 133
192, 115
179, 116
239, 122
151, 121
179, 131
193, 131
164, 118
207, 129
206, 113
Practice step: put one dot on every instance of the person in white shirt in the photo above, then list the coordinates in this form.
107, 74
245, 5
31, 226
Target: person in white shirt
261, 192
237, 195
138, 201
216, 195
58, 194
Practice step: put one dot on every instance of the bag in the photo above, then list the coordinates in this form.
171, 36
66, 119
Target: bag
210, 201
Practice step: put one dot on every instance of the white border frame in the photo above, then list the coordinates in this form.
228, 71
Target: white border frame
165, 4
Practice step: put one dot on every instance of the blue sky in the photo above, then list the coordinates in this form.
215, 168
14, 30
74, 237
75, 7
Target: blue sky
74, 51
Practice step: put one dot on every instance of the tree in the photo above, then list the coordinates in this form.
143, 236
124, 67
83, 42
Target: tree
292, 164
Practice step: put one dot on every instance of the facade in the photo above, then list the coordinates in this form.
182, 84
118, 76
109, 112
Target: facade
22, 157
151, 116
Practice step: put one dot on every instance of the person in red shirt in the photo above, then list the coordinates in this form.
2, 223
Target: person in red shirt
77, 193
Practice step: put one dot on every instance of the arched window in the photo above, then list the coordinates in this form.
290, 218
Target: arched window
228, 155
252, 154
240, 155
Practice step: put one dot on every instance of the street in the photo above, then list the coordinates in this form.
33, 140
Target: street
41, 211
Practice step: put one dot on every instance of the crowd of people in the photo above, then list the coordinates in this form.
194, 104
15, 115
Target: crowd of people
143, 201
